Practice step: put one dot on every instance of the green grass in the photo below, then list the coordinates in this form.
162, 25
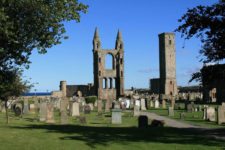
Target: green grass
27, 133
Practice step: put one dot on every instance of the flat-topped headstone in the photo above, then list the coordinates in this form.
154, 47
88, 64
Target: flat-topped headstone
156, 103
116, 116
43, 111
74, 108
221, 114
136, 110
99, 106
142, 121
18, 109
91, 106
87, 109
171, 111
32, 108
163, 103
211, 114
50, 113
63, 112
107, 106
25, 106
151, 103
143, 104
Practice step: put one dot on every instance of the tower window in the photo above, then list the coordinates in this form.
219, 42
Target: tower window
99, 73
170, 42
99, 60
121, 73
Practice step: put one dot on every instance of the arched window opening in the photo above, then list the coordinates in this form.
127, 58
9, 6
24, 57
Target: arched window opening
104, 83
109, 62
114, 83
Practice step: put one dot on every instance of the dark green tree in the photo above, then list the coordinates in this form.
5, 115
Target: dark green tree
26, 25
208, 24
11, 85
29, 24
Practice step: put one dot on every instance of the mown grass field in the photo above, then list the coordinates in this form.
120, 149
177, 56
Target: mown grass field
27, 133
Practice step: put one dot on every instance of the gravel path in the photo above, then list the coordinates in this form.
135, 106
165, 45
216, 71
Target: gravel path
168, 122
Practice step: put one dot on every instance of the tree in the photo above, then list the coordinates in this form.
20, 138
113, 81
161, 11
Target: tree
208, 24
26, 25
29, 24
11, 86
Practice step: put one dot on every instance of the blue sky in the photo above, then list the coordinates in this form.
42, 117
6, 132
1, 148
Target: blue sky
140, 22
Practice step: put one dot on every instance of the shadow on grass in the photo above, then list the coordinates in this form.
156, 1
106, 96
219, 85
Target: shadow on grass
105, 136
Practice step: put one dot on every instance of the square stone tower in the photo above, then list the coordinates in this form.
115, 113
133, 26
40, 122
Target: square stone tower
167, 60
108, 82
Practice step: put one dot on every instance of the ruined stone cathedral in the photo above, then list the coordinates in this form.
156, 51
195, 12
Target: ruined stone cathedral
108, 82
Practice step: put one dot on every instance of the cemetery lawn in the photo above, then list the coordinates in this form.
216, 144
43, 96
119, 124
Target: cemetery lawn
28, 134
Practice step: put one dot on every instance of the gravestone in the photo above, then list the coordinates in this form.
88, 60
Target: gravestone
63, 112
43, 111
171, 111
87, 109
136, 110
138, 103
204, 113
163, 103
172, 100
127, 103
142, 121
182, 115
211, 114
99, 106
143, 104
221, 115
25, 106
50, 113
91, 106
18, 109
157, 123
116, 116
107, 106
151, 103
189, 108
74, 108
156, 104
32, 108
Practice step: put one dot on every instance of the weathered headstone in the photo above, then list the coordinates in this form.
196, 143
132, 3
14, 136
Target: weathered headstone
116, 116
182, 115
32, 108
99, 106
163, 103
50, 113
107, 106
63, 112
74, 108
136, 110
43, 111
156, 104
143, 104
189, 108
172, 100
221, 114
171, 111
25, 106
151, 103
18, 109
211, 114
142, 121
87, 109
91, 106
